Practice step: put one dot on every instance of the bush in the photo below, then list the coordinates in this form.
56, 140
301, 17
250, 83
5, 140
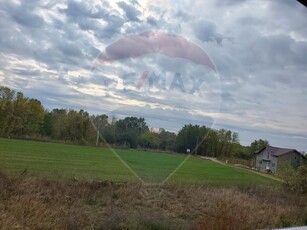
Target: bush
302, 178
294, 180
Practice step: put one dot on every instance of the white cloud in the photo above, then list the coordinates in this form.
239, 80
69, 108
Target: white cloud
259, 48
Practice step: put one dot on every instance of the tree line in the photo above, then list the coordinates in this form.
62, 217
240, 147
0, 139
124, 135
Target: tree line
23, 117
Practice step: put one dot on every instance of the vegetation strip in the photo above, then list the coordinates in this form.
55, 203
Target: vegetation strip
41, 159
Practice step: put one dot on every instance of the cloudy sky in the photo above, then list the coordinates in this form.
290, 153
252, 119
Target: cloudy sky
52, 51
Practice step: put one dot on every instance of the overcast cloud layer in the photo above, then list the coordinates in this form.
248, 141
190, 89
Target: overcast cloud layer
48, 51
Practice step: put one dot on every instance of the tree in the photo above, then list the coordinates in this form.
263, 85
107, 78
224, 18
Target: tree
242, 152
100, 123
149, 140
6, 110
257, 145
129, 130
167, 140
59, 123
34, 117
19, 115
205, 141
70, 125
222, 142
47, 126
212, 143
191, 137
18, 119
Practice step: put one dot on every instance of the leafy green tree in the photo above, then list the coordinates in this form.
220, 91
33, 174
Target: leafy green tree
129, 130
212, 143
19, 115
257, 145
191, 137
167, 140
71, 126
74, 126
109, 133
221, 143
34, 113
205, 141
227, 141
47, 126
6, 110
18, 120
242, 152
59, 123
149, 140
100, 123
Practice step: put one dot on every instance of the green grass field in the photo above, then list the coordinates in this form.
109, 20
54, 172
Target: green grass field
51, 160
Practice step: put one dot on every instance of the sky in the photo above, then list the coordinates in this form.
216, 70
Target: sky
56, 51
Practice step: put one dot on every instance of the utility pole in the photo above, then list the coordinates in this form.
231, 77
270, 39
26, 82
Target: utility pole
196, 146
98, 130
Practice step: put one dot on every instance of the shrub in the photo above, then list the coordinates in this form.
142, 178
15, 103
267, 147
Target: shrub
294, 180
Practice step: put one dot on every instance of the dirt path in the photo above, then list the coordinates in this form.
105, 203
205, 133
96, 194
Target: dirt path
250, 170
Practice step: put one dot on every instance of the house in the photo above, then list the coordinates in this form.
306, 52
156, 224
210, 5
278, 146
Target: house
268, 158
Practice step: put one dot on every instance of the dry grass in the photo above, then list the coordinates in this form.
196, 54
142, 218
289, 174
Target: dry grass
27, 203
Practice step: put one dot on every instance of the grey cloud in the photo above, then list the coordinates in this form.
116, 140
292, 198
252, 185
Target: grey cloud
169, 119
44, 45
114, 24
261, 55
95, 78
300, 51
28, 19
284, 9
131, 11
206, 31
70, 49
24, 14
230, 2
84, 14
77, 10
228, 97
273, 50
26, 72
183, 15
89, 24
152, 21
249, 21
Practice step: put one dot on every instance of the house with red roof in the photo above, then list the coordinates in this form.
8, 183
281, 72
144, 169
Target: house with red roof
269, 157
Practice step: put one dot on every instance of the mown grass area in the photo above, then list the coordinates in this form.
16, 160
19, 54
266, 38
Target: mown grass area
60, 160
198, 171
40, 159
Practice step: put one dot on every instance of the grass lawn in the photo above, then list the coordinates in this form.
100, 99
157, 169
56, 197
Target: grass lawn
60, 160
198, 171
41, 159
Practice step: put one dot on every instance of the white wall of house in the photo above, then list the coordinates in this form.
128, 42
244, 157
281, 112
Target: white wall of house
265, 161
